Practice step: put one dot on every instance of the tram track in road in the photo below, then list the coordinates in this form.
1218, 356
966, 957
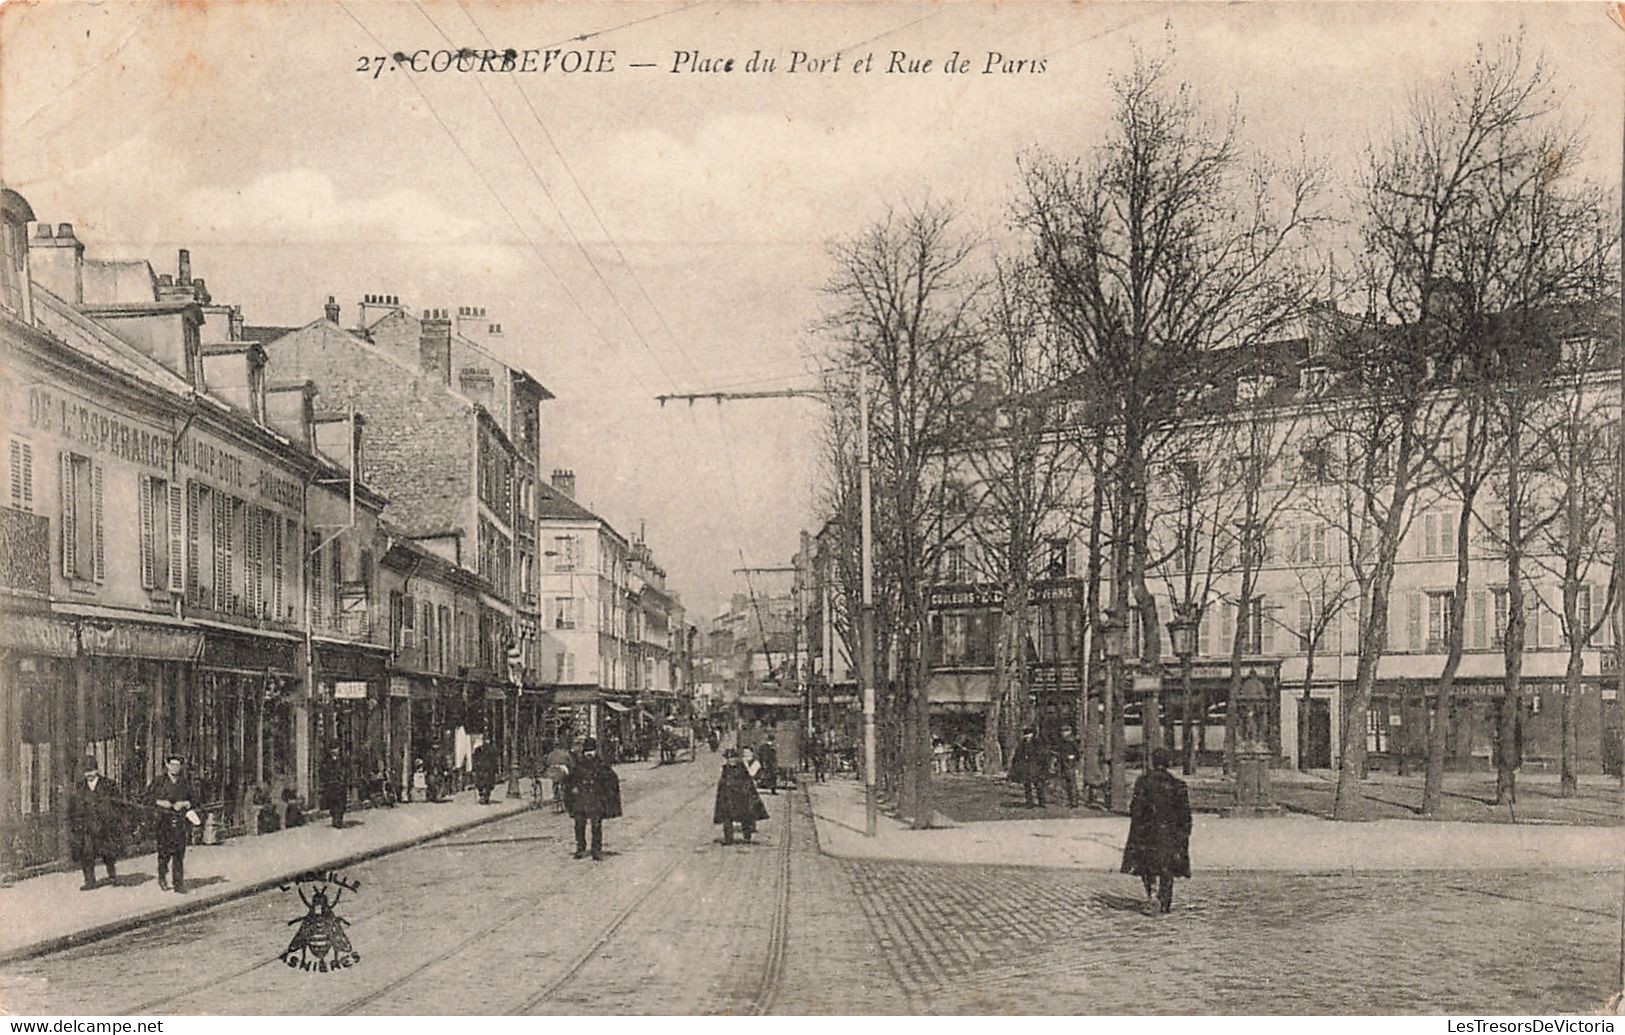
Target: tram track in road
221, 983
767, 986
577, 880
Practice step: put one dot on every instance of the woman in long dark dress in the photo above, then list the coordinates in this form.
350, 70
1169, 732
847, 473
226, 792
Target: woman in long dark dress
737, 800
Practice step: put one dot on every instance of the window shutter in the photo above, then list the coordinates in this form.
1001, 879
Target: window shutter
193, 557
28, 476
316, 588
15, 455
1430, 534
222, 547
99, 573
70, 520
177, 514
278, 548
1481, 607
1266, 625
1413, 614
148, 547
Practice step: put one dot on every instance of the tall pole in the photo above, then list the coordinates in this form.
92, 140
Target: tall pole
871, 804
1619, 533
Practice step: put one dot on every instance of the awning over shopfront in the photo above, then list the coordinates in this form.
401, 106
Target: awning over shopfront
249, 653
132, 640
616, 706
770, 700
960, 688
37, 634
561, 695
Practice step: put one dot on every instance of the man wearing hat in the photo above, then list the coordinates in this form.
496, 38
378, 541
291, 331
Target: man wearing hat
171, 795
592, 792
1030, 766
93, 823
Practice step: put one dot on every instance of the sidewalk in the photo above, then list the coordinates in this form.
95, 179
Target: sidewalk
49, 912
1291, 843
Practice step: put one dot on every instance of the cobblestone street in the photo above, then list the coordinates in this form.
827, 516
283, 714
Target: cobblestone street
500, 920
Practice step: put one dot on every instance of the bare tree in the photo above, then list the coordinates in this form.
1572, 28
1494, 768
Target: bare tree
902, 301
1464, 225
1160, 248
1021, 467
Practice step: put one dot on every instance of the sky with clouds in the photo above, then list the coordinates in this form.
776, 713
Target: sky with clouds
642, 231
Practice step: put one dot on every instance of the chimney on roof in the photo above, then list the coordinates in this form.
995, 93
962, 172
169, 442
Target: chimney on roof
65, 230
57, 261
200, 292
564, 482
185, 264
434, 345
331, 310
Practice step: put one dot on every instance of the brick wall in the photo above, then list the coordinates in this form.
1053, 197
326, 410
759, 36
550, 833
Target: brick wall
419, 449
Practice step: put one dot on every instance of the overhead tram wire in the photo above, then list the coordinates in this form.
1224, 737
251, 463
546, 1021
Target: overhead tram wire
534, 247
547, 192
574, 180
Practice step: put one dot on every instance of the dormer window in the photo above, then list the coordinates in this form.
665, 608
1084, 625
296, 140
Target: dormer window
1316, 380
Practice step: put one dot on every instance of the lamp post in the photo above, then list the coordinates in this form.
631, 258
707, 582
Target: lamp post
1182, 631
1111, 635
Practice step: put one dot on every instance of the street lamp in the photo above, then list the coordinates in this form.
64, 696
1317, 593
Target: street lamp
1112, 629
1182, 631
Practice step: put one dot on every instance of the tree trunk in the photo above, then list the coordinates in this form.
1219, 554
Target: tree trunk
1438, 723
1303, 703
1507, 749
1570, 783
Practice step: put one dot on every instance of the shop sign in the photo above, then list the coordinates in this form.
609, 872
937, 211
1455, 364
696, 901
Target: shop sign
399, 686
350, 690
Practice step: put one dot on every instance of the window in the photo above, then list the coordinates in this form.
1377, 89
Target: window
1258, 627
445, 637
1500, 627
1306, 624
21, 464
953, 563
409, 622
564, 553
1438, 621
160, 523
1058, 567
1439, 533
83, 556
426, 627
564, 613
1582, 615
1317, 464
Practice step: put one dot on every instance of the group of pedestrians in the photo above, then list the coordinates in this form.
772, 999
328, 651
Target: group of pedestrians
1036, 762
98, 818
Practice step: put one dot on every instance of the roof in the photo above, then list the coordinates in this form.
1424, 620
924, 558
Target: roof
551, 503
263, 333
98, 343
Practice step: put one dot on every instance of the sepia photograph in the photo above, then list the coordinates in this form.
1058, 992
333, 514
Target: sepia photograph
721, 508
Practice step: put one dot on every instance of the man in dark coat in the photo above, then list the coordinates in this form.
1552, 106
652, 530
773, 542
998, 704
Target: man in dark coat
94, 823
737, 800
1159, 831
592, 792
1029, 766
335, 780
485, 770
769, 754
171, 794
1067, 754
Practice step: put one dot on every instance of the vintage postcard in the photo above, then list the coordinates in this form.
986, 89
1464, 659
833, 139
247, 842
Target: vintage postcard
891, 508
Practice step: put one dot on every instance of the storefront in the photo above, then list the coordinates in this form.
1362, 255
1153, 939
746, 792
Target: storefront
38, 720
241, 726
353, 688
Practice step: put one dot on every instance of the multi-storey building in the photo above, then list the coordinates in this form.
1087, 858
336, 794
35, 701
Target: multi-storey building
1276, 426
161, 502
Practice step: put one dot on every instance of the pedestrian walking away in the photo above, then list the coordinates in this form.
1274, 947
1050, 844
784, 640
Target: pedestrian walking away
95, 823
485, 770
737, 800
335, 786
171, 795
1159, 831
769, 755
1067, 754
1029, 766
592, 793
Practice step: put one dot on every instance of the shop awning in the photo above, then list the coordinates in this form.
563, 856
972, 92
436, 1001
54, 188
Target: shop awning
575, 695
130, 640
37, 634
616, 706
496, 692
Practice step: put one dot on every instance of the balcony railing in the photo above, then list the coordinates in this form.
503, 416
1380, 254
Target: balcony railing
25, 552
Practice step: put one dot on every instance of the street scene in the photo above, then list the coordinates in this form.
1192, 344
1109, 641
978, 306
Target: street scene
812, 509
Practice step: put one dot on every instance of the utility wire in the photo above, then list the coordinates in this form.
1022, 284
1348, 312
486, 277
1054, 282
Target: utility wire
548, 136
548, 193
456, 143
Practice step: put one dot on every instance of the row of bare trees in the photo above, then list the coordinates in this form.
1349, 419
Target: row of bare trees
1120, 381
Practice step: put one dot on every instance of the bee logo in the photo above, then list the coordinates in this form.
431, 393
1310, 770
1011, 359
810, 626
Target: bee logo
320, 944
